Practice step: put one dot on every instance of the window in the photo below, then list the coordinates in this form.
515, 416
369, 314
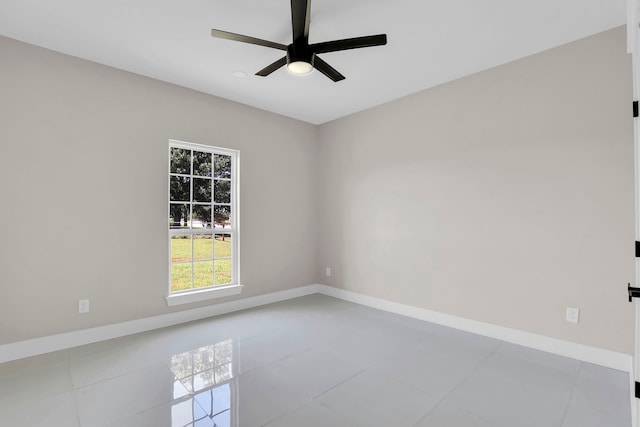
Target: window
203, 222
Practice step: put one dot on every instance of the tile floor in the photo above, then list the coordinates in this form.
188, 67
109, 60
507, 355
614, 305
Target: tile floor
312, 361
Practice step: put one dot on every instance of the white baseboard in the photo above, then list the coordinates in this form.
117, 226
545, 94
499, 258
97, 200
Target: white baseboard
598, 356
36, 346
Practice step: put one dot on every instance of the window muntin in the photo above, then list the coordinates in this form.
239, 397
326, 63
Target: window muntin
203, 210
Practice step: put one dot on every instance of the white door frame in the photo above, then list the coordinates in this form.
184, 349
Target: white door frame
633, 47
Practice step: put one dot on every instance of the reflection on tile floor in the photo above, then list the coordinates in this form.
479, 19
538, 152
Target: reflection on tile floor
312, 361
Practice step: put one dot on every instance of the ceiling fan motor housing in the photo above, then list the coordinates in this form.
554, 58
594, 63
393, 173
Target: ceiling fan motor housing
299, 53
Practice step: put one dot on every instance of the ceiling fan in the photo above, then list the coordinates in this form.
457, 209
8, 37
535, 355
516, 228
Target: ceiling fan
301, 57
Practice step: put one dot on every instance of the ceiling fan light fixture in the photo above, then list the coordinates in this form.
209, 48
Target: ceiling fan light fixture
301, 58
299, 68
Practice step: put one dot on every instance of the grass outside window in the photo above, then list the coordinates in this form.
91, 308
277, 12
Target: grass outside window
192, 255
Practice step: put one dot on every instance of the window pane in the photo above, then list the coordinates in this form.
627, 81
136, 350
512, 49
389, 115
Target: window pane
202, 163
222, 246
203, 380
180, 161
180, 277
222, 191
222, 418
181, 248
222, 271
222, 166
222, 216
182, 365
202, 247
202, 190
202, 274
205, 400
221, 401
201, 216
223, 372
179, 189
223, 351
216, 402
178, 215
182, 413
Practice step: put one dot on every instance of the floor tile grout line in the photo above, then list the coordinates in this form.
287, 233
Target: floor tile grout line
73, 391
123, 374
466, 377
573, 390
340, 383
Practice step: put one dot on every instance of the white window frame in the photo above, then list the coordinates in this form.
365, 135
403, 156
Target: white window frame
215, 291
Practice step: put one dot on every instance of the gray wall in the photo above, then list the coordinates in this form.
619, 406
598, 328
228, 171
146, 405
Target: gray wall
501, 197
83, 187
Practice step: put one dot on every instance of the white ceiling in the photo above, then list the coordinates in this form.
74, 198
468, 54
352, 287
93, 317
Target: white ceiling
429, 42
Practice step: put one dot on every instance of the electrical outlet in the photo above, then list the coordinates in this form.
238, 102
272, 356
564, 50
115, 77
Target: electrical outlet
573, 314
83, 306
328, 271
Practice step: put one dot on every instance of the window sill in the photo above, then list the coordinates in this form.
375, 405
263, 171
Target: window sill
203, 295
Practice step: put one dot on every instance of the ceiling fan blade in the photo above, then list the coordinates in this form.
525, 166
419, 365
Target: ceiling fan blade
245, 39
272, 67
300, 10
344, 44
327, 69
